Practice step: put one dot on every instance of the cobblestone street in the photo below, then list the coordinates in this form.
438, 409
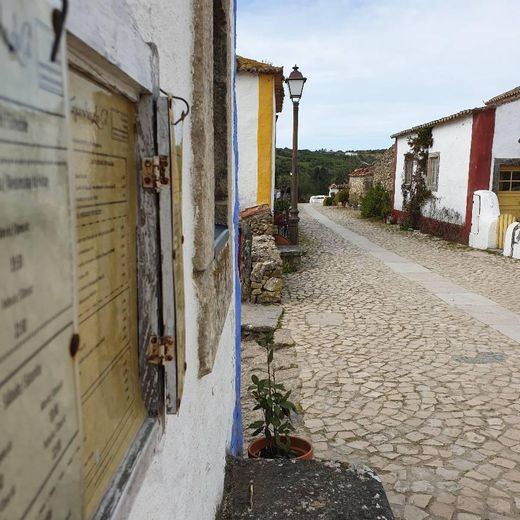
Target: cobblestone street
402, 379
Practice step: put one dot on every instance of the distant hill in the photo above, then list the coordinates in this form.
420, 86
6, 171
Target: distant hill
321, 168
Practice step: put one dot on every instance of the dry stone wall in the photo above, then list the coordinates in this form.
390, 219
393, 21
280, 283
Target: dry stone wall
259, 219
358, 188
383, 169
261, 263
266, 273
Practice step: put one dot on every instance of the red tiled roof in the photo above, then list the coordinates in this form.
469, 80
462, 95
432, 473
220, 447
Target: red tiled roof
255, 210
440, 121
506, 97
259, 67
362, 172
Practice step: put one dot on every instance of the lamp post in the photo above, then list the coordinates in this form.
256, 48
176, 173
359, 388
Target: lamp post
295, 83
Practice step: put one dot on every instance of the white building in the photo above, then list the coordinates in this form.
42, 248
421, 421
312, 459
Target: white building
259, 99
472, 150
120, 228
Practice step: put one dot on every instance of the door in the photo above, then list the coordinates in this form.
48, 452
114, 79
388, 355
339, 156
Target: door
509, 190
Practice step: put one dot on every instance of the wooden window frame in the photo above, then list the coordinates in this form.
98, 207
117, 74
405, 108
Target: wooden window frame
432, 178
498, 163
511, 170
408, 161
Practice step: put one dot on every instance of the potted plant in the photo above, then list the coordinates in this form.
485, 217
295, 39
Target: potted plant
273, 399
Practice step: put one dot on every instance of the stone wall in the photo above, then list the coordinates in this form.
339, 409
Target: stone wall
244, 260
266, 272
383, 169
261, 263
259, 219
358, 187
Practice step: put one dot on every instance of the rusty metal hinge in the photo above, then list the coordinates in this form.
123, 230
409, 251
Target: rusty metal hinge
154, 172
160, 350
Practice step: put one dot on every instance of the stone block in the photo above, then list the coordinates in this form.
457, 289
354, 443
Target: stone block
282, 338
260, 318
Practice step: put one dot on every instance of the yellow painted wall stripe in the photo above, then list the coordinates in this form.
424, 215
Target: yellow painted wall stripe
265, 139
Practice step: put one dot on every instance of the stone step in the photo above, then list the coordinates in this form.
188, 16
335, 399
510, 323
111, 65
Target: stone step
282, 338
260, 319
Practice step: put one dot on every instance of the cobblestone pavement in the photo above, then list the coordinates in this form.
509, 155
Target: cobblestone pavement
489, 274
396, 378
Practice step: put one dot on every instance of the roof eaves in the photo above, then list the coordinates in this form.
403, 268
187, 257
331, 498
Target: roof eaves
250, 65
258, 67
505, 97
440, 121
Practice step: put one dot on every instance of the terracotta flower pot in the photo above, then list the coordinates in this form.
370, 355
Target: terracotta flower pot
302, 447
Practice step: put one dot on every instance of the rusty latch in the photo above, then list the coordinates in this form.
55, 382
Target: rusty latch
160, 350
154, 172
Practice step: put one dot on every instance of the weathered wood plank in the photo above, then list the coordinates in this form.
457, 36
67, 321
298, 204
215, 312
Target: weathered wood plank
178, 241
165, 231
148, 260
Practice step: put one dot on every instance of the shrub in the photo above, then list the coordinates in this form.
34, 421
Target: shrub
327, 201
417, 194
353, 200
376, 203
341, 198
280, 206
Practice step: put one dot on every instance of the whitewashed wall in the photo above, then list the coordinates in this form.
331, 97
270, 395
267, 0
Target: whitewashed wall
247, 108
186, 477
452, 141
507, 133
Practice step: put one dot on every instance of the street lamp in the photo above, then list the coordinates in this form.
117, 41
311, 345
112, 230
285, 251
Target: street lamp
295, 83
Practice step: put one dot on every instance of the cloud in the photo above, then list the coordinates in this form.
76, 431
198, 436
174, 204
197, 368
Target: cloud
378, 66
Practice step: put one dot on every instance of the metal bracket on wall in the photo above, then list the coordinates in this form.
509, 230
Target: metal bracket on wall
160, 350
154, 172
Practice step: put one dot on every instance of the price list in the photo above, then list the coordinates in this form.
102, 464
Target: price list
104, 168
39, 434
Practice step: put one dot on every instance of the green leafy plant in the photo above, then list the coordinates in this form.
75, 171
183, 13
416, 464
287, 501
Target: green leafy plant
341, 198
281, 206
376, 203
327, 201
273, 399
416, 194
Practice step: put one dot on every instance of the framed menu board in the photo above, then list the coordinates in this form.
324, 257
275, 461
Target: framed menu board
103, 162
39, 434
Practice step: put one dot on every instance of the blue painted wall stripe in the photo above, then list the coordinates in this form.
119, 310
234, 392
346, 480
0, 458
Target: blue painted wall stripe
237, 433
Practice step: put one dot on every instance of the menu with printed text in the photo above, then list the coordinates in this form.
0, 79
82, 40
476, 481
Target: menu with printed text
103, 163
39, 433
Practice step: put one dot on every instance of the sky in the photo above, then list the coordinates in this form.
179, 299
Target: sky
375, 67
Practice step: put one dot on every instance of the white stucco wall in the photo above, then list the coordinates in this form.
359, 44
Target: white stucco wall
507, 133
452, 141
186, 477
247, 108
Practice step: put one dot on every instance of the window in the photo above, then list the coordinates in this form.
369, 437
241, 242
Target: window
408, 169
221, 151
212, 167
432, 173
509, 178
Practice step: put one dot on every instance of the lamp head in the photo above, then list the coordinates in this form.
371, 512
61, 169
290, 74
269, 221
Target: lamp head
295, 83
